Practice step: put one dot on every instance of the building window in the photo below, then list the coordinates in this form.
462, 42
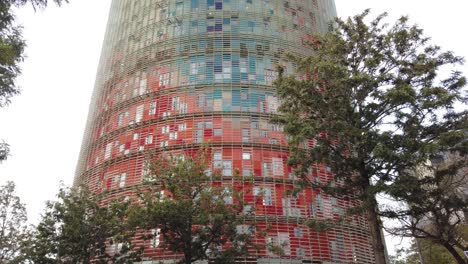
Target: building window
298, 232
175, 103
217, 156
139, 113
244, 229
123, 179
266, 167
166, 114
312, 210
277, 166
227, 195
120, 179
288, 209
300, 252
108, 151
201, 100
114, 248
120, 118
182, 127
122, 148
142, 89
271, 244
217, 132
318, 200
199, 136
248, 209
227, 168
284, 243
266, 193
164, 79
275, 127
155, 240
183, 108
152, 108
148, 139
145, 170
246, 156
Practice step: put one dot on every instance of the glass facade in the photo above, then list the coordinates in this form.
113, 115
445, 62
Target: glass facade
176, 74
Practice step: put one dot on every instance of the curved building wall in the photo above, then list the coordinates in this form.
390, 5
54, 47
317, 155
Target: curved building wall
176, 74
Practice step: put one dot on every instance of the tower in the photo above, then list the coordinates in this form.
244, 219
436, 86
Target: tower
175, 74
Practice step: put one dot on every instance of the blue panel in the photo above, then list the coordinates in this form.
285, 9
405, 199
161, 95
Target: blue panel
217, 94
236, 99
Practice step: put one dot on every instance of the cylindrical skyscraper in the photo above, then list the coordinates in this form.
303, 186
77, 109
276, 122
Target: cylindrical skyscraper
175, 74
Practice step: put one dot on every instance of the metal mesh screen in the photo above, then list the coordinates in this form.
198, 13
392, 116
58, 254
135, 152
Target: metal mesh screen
176, 74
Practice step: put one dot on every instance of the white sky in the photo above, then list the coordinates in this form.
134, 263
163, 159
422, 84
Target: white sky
44, 125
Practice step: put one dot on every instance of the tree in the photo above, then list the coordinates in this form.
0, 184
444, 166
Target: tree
4, 150
422, 251
195, 215
12, 224
12, 47
432, 253
78, 229
372, 104
437, 199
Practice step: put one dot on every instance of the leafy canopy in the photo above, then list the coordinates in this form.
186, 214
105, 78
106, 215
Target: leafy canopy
12, 47
373, 101
438, 202
12, 224
195, 215
78, 229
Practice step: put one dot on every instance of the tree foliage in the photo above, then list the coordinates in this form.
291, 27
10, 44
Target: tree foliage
4, 150
437, 197
12, 224
78, 229
192, 212
423, 251
12, 47
374, 102
430, 253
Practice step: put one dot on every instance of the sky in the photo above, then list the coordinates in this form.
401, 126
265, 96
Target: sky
45, 123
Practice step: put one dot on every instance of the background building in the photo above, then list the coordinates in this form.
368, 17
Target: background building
176, 74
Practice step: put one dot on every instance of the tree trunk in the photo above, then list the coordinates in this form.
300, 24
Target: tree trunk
376, 234
188, 240
421, 257
372, 217
188, 258
455, 254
